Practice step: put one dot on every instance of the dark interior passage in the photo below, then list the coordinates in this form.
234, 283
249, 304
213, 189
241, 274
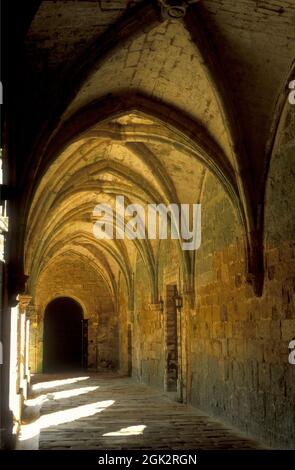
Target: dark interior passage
62, 335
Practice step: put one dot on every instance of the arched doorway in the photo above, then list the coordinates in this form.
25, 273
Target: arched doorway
63, 343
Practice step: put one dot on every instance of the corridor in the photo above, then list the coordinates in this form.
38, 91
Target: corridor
109, 411
147, 225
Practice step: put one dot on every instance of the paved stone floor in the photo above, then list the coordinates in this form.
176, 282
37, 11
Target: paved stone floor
108, 411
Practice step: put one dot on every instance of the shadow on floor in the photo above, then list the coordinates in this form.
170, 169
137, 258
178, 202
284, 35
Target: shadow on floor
109, 411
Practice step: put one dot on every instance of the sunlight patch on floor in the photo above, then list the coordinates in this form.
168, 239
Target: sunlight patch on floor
130, 431
70, 393
31, 430
72, 414
57, 383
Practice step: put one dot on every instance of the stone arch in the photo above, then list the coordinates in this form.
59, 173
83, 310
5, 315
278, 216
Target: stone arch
72, 296
62, 335
188, 136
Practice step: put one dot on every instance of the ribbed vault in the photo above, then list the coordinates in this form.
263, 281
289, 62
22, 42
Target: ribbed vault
132, 156
113, 98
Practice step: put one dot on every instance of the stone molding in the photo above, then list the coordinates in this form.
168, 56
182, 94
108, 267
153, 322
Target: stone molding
24, 301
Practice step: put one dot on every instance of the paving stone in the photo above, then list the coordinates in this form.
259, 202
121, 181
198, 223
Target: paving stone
168, 424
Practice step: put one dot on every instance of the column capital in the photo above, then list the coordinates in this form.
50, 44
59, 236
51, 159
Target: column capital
24, 301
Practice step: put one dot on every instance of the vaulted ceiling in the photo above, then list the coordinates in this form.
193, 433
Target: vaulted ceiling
110, 97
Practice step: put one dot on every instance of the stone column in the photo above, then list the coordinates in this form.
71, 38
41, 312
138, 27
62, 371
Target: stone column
15, 404
32, 336
130, 340
27, 355
17, 379
24, 301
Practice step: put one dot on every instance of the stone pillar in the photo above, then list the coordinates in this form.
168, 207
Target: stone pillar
130, 340
32, 339
27, 355
24, 301
5, 322
15, 398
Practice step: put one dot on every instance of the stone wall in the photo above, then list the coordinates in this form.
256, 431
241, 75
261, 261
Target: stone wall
77, 280
239, 343
234, 345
